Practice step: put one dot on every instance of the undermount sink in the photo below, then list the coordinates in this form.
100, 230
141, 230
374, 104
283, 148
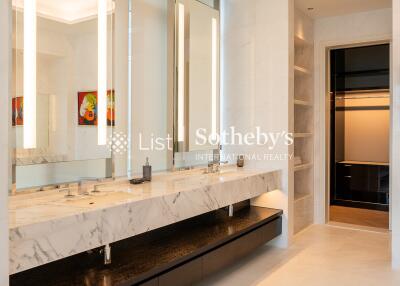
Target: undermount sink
101, 199
202, 174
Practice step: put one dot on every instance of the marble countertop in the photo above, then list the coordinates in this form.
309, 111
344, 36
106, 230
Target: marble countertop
145, 256
45, 226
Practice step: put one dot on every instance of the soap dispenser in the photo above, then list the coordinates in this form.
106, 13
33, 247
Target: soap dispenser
147, 171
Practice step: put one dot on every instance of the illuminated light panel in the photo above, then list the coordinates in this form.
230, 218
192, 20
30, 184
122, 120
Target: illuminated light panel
102, 74
181, 73
214, 75
29, 108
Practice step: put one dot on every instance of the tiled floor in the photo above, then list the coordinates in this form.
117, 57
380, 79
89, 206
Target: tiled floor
365, 217
322, 255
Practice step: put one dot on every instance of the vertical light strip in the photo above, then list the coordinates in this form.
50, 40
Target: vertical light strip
181, 73
130, 79
102, 73
29, 74
214, 70
53, 112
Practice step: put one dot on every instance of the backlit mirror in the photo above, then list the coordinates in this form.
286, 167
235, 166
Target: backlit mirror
196, 83
63, 94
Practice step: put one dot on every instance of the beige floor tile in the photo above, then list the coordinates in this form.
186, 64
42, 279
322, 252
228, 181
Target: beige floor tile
322, 255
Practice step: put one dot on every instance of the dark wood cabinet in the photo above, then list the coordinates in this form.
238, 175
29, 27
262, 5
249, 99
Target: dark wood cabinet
362, 184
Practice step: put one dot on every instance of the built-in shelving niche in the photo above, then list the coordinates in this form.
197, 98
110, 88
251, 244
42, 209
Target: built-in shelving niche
303, 167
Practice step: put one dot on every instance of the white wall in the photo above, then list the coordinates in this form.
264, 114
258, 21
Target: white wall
149, 81
372, 126
350, 29
395, 139
257, 85
5, 90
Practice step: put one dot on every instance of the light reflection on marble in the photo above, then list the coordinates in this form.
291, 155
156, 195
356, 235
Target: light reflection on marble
45, 226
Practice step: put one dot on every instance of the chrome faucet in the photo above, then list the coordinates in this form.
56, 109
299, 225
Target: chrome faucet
215, 166
97, 182
65, 188
82, 185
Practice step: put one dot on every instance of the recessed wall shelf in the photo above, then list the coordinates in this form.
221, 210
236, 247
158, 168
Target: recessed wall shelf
302, 135
303, 103
303, 167
303, 117
300, 196
300, 42
301, 71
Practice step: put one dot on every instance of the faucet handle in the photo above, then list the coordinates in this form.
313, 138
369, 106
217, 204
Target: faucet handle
96, 187
66, 189
87, 179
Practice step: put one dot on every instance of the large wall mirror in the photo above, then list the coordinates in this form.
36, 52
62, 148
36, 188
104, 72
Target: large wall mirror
197, 82
63, 101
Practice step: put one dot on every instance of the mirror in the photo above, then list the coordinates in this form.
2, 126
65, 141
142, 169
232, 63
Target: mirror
63, 106
197, 82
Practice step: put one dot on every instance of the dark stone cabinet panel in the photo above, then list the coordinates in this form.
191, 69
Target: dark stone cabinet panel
152, 282
187, 274
221, 257
217, 259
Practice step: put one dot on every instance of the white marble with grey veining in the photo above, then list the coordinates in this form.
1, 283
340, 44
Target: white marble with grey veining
46, 227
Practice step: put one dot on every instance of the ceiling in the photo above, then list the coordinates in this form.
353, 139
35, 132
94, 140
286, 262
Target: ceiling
330, 8
66, 11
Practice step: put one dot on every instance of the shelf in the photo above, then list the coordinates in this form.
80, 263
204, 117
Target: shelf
301, 196
301, 42
303, 102
302, 135
301, 71
363, 163
303, 167
363, 73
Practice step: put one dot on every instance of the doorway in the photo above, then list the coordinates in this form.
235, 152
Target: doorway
359, 135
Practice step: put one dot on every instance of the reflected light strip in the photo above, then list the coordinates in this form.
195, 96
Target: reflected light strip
214, 58
129, 151
53, 112
102, 73
181, 73
29, 107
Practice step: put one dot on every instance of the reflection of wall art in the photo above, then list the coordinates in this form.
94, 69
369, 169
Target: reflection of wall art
87, 108
18, 111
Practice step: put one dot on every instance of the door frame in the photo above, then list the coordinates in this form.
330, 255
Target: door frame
322, 122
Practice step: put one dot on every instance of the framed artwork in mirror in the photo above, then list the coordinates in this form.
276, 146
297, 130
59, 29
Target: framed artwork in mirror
87, 108
18, 111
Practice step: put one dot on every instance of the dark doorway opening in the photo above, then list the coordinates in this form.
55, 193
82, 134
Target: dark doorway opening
360, 126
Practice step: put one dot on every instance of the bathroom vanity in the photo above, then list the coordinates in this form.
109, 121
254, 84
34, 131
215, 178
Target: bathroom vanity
46, 227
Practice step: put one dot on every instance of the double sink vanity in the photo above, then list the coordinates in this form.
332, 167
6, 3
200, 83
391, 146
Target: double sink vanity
47, 227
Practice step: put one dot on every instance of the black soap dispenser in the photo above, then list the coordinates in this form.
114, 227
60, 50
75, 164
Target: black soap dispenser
147, 171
